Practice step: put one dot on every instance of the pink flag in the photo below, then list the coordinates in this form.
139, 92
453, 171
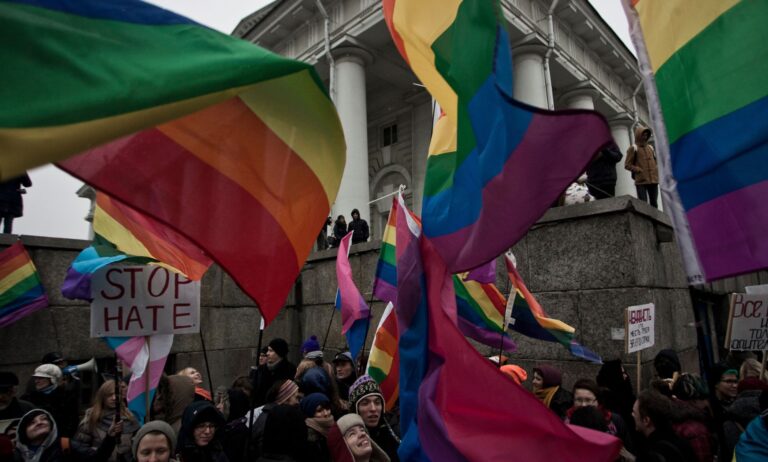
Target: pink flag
354, 311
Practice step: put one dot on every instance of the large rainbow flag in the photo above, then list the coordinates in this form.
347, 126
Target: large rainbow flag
122, 234
383, 360
21, 292
454, 404
495, 165
355, 313
529, 318
242, 150
709, 62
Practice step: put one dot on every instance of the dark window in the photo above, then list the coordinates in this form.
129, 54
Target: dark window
389, 135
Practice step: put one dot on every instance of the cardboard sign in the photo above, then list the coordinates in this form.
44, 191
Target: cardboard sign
748, 322
640, 321
131, 301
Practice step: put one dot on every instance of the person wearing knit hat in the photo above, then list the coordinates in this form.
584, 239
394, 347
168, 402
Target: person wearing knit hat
514, 372
277, 368
546, 385
155, 441
349, 441
311, 345
344, 372
48, 395
316, 408
366, 400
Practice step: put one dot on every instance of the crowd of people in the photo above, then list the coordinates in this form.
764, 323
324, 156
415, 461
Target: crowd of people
340, 228
322, 411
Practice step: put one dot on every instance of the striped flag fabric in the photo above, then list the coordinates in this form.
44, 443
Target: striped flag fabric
236, 148
480, 312
529, 319
495, 165
385, 281
384, 361
454, 404
122, 234
146, 357
705, 71
21, 292
355, 313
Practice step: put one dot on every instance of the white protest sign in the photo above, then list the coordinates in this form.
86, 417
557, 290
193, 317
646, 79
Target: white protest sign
131, 301
748, 322
640, 327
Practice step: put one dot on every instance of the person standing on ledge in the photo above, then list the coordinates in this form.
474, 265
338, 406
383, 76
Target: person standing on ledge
11, 204
641, 161
359, 227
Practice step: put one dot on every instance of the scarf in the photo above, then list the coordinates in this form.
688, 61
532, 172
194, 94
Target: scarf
545, 394
321, 425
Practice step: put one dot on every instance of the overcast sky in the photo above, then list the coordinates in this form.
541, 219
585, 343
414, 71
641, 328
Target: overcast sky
51, 206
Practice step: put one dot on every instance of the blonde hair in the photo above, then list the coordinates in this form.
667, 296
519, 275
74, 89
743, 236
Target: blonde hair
98, 406
751, 368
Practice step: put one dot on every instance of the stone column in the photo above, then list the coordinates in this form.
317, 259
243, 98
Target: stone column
621, 129
351, 105
581, 98
529, 83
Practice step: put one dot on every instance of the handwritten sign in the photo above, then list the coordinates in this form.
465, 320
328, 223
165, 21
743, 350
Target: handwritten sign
640, 327
748, 322
143, 300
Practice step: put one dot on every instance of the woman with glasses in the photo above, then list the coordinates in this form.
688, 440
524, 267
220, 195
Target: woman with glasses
585, 394
200, 434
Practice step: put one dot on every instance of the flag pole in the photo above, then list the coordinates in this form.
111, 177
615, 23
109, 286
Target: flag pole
118, 383
147, 378
360, 366
205, 357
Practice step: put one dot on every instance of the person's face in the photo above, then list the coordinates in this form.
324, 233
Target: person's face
727, 387
537, 381
355, 216
6, 396
192, 373
293, 400
153, 448
343, 370
110, 401
38, 428
204, 433
369, 409
646, 136
584, 398
42, 382
358, 442
262, 359
272, 357
322, 412
641, 423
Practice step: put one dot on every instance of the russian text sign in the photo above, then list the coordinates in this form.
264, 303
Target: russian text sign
748, 322
640, 327
131, 301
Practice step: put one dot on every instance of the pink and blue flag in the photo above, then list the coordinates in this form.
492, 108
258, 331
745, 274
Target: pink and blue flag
454, 404
355, 313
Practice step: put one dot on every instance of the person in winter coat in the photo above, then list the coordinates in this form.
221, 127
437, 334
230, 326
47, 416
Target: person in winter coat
349, 441
601, 173
316, 408
100, 417
154, 442
339, 231
51, 396
197, 380
740, 413
38, 440
11, 204
344, 372
174, 394
366, 400
10, 406
658, 441
616, 392
641, 161
285, 435
547, 387
199, 437
753, 443
359, 227
691, 416
277, 368
585, 394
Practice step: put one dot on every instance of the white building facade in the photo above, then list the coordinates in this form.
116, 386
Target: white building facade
564, 56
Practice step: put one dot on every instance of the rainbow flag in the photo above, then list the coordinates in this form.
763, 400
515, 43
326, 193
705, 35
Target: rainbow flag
709, 62
241, 151
454, 404
495, 165
480, 312
529, 318
383, 360
146, 357
21, 292
355, 313
385, 281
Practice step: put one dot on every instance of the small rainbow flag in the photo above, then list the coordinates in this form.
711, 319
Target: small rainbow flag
705, 71
384, 360
355, 313
495, 165
236, 148
385, 281
529, 318
480, 312
21, 292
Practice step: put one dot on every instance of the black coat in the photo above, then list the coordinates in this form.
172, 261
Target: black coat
602, 170
10, 195
63, 407
360, 229
16, 409
263, 378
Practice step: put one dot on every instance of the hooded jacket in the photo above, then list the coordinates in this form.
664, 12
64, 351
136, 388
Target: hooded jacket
56, 449
338, 447
195, 414
641, 159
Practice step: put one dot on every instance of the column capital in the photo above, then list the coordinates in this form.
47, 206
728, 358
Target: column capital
584, 88
621, 119
530, 44
353, 53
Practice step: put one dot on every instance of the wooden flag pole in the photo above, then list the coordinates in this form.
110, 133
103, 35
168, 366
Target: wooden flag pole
118, 385
639, 372
147, 378
762, 367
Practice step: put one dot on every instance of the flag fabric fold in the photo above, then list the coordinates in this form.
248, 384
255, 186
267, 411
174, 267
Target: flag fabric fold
529, 319
21, 291
495, 165
384, 361
355, 313
480, 312
236, 148
706, 79
448, 414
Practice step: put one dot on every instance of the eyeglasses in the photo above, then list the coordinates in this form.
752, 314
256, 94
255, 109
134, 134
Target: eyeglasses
730, 381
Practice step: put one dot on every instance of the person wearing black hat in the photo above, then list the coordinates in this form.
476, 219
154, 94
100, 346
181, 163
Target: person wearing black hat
200, 434
358, 227
344, 372
10, 406
277, 368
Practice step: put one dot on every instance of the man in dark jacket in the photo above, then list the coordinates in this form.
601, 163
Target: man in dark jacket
10, 406
601, 173
276, 368
11, 205
359, 227
652, 412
